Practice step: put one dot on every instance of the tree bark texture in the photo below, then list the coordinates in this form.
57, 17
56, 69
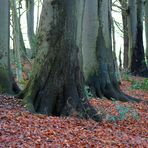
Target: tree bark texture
100, 73
56, 85
5, 81
125, 14
17, 41
74, 39
146, 28
30, 25
137, 62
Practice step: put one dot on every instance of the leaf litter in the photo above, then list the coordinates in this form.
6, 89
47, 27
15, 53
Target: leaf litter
20, 128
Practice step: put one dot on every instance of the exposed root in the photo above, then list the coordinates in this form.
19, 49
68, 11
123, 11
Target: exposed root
110, 91
63, 102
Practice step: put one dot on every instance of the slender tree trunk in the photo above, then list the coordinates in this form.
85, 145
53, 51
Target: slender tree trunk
30, 25
22, 44
16, 42
137, 62
126, 42
146, 28
120, 60
124, 5
5, 79
38, 15
56, 85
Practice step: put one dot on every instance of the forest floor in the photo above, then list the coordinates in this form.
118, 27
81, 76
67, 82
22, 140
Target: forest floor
124, 125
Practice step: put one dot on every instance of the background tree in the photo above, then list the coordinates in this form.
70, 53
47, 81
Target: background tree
17, 41
5, 78
146, 28
18, 17
137, 62
124, 7
113, 36
30, 25
98, 65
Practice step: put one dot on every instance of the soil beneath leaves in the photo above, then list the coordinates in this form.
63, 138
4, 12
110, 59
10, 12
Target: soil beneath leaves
19, 128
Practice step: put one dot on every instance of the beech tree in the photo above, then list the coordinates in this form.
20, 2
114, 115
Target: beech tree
56, 84
137, 62
146, 28
124, 10
30, 24
17, 41
98, 65
74, 48
5, 80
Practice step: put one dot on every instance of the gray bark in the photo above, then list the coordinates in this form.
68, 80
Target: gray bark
22, 44
89, 38
57, 43
5, 81
30, 25
132, 22
101, 75
146, 28
125, 14
16, 41
137, 62
56, 85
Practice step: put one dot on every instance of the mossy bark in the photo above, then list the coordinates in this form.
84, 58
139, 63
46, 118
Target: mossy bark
146, 29
56, 84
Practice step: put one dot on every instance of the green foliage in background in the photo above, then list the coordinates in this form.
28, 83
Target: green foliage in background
137, 84
140, 85
123, 112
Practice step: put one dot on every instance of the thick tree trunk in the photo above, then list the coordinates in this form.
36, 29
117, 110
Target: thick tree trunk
137, 58
56, 85
98, 64
146, 28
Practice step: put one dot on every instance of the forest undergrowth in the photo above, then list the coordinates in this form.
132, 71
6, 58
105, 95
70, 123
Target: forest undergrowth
123, 125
